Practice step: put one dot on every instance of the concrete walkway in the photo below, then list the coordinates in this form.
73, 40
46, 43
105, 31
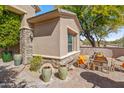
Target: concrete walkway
21, 76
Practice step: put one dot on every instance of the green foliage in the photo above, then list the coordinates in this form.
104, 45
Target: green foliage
9, 28
119, 42
122, 42
100, 34
36, 63
86, 42
1, 9
98, 21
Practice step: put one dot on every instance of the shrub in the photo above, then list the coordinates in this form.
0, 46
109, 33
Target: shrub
36, 63
9, 29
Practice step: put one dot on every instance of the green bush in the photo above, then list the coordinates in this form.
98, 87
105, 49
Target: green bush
9, 29
36, 63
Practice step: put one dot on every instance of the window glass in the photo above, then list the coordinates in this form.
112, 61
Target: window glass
70, 42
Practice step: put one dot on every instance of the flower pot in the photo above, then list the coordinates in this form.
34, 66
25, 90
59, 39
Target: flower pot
46, 73
6, 56
63, 72
17, 59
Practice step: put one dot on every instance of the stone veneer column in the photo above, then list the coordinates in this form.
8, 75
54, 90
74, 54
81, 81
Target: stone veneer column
26, 37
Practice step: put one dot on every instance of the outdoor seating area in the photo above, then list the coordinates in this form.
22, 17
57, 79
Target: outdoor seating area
98, 61
90, 71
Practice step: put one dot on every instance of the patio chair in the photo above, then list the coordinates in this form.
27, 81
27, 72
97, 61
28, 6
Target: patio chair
109, 66
105, 63
90, 62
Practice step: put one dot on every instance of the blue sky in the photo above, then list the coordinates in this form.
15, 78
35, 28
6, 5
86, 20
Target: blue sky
45, 8
117, 35
112, 36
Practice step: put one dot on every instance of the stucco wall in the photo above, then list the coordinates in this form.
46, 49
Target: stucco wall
30, 12
108, 51
47, 37
65, 23
51, 37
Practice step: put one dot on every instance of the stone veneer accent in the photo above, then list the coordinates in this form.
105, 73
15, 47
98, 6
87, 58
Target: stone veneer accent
66, 61
26, 37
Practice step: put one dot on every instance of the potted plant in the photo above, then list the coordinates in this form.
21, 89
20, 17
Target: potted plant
17, 59
63, 72
36, 63
46, 73
6, 56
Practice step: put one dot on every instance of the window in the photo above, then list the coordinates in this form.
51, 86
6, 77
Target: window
70, 42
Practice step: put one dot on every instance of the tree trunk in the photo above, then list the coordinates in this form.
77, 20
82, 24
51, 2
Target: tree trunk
98, 43
90, 38
92, 41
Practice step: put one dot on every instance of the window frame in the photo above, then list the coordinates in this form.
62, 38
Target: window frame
72, 42
73, 33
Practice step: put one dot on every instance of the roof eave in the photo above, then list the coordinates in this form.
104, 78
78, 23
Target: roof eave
54, 14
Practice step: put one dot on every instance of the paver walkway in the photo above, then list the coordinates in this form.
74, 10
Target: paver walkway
77, 78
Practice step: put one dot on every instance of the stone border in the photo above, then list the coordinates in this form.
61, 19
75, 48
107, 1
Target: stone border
57, 62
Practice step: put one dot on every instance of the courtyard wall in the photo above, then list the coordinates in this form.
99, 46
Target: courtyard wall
108, 51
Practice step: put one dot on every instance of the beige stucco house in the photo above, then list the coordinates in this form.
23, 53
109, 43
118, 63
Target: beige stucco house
54, 35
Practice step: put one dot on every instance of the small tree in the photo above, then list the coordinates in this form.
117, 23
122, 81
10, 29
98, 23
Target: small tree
92, 18
100, 35
9, 28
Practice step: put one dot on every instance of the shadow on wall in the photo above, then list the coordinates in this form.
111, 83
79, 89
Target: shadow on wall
102, 82
45, 28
